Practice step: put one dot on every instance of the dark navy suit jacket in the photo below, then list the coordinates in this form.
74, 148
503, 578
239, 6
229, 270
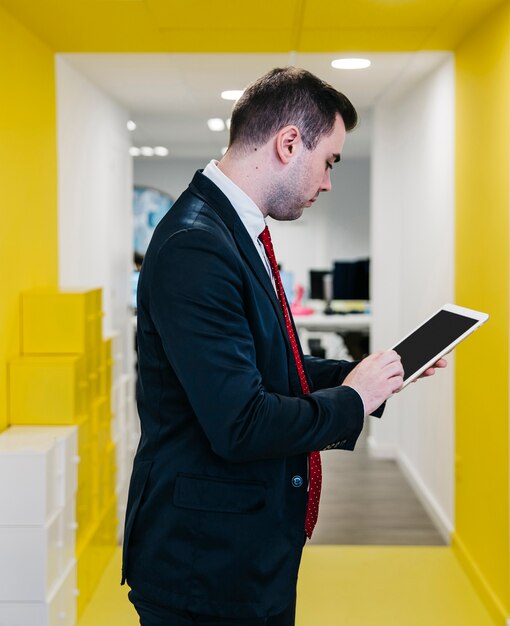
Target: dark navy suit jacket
218, 494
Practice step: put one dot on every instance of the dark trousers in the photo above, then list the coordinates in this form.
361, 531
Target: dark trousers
156, 615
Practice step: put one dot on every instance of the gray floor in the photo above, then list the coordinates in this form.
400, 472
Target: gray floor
368, 501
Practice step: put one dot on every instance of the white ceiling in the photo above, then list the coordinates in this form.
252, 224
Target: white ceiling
171, 96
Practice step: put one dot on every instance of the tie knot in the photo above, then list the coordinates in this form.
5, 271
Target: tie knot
265, 236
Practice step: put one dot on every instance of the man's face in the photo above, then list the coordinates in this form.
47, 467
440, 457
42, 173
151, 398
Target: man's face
307, 175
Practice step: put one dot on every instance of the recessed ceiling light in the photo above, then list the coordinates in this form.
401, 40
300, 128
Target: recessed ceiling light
146, 151
216, 124
161, 151
351, 64
131, 125
134, 151
232, 94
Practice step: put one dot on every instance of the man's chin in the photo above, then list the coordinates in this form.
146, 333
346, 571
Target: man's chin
290, 216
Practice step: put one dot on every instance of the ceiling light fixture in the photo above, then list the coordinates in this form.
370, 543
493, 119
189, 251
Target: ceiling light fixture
232, 94
131, 125
161, 151
216, 124
147, 151
351, 64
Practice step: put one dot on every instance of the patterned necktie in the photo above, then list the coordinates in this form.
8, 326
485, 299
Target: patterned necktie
315, 481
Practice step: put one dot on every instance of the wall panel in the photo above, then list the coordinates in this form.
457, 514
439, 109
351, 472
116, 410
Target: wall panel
482, 281
28, 179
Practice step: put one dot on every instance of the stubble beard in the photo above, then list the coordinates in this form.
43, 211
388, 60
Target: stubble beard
285, 200
282, 206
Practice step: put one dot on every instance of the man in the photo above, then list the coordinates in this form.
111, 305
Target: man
225, 481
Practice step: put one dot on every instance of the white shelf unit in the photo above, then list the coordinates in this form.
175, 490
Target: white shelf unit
38, 478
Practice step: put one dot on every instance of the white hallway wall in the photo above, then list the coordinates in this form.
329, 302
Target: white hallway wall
96, 235
412, 233
336, 227
95, 190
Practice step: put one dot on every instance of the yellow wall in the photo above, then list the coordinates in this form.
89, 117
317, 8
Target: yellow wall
28, 179
482, 268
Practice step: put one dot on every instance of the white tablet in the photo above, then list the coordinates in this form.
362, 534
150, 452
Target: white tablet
437, 336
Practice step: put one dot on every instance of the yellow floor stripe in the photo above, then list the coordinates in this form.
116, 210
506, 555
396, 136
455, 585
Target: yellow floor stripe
348, 586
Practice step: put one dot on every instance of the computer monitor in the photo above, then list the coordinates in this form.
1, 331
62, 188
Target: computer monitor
317, 284
351, 280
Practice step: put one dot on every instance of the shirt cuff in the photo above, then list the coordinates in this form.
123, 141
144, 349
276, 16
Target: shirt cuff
361, 398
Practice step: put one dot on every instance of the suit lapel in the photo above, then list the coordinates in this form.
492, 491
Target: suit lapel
207, 191
251, 256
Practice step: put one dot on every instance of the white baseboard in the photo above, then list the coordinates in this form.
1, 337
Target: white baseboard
443, 523
380, 450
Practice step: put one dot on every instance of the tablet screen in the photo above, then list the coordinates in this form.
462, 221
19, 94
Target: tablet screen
431, 338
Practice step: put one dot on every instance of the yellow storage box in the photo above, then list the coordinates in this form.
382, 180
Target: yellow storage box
61, 322
47, 390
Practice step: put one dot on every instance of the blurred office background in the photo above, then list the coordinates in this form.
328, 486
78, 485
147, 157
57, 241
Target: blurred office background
420, 203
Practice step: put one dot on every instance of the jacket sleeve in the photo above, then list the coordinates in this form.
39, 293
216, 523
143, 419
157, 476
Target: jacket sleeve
325, 373
196, 303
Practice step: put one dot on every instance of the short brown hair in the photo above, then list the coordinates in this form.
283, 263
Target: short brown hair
287, 96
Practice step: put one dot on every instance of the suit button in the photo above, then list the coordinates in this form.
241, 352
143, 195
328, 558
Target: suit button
297, 481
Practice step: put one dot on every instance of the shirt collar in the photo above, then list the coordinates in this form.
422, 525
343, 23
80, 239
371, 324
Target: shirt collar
249, 213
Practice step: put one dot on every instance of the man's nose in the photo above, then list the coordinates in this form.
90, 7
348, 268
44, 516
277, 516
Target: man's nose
326, 181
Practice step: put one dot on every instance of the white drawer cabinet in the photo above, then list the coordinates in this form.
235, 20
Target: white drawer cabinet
59, 609
29, 566
65, 441
28, 485
38, 481
67, 536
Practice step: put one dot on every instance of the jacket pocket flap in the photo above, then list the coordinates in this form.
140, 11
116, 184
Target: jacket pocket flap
203, 493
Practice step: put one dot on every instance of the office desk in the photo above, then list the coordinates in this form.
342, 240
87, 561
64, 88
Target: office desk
350, 322
353, 328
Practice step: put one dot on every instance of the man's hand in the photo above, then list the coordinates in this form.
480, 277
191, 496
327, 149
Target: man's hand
376, 378
432, 370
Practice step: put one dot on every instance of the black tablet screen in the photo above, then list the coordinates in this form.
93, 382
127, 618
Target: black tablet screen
431, 338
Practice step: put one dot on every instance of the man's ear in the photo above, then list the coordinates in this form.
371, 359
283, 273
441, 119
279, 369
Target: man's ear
288, 143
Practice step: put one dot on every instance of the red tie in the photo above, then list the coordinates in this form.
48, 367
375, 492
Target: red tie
315, 483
